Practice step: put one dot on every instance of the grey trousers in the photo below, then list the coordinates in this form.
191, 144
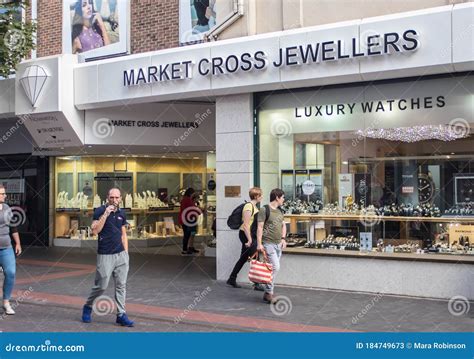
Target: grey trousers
274, 254
108, 265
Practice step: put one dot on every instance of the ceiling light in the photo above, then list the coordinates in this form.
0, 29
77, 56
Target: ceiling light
415, 133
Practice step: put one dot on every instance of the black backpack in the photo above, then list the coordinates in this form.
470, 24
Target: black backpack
235, 219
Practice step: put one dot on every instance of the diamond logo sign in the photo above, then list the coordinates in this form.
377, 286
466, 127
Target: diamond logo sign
33, 81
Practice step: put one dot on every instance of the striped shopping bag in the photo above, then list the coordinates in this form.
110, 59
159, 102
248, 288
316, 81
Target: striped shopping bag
260, 272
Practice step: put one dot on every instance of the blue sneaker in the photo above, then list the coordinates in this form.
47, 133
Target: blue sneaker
124, 321
87, 314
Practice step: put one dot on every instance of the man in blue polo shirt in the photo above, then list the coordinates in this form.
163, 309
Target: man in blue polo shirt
112, 259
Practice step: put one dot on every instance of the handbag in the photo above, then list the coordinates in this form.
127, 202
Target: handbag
260, 272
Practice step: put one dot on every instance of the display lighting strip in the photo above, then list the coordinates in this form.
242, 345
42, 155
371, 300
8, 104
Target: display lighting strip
417, 133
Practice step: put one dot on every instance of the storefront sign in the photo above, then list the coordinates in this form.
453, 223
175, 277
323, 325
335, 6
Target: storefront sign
232, 191
457, 231
52, 131
382, 106
163, 124
376, 44
374, 106
308, 187
113, 178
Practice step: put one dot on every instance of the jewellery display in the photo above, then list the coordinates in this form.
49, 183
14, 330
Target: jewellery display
460, 210
147, 199
296, 240
298, 206
416, 236
80, 200
349, 243
97, 201
405, 210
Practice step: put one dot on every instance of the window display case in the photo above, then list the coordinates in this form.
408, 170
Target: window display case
151, 187
382, 234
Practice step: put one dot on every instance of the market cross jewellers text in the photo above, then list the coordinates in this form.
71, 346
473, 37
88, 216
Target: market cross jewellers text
163, 124
334, 50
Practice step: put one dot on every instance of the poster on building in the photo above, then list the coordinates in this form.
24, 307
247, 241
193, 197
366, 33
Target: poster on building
95, 28
300, 177
196, 17
287, 184
346, 188
316, 176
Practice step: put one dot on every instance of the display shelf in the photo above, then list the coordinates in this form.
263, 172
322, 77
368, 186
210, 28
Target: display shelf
133, 242
132, 211
68, 210
438, 257
375, 219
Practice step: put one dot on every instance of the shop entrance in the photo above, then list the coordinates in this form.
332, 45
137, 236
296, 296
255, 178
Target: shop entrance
25, 178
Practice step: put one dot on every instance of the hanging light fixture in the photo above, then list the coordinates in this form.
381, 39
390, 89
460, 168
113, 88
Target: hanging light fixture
416, 133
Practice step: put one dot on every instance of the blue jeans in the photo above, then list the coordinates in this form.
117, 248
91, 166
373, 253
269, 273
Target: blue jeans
274, 255
8, 263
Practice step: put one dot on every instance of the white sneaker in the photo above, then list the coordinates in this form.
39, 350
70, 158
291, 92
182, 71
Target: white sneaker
8, 309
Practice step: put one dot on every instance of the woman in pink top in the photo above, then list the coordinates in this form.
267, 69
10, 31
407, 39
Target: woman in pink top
88, 29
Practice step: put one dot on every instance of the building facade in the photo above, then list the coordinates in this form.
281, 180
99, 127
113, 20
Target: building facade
362, 115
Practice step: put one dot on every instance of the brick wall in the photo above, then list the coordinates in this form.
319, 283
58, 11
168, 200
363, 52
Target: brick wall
49, 20
154, 26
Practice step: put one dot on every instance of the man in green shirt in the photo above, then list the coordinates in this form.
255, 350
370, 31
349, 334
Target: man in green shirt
271, 234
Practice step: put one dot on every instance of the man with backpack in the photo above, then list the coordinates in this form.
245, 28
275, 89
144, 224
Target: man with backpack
271, 234
244, 218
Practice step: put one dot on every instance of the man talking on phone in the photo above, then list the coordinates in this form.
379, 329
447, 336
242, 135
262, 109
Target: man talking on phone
112, 256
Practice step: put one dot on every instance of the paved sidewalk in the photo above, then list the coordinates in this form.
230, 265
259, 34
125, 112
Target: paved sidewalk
174, 293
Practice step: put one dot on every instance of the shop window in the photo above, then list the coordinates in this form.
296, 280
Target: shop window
151, 187
379, 168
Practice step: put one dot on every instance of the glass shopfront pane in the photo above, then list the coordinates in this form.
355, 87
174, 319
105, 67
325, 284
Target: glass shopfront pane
399, 155
151, 187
